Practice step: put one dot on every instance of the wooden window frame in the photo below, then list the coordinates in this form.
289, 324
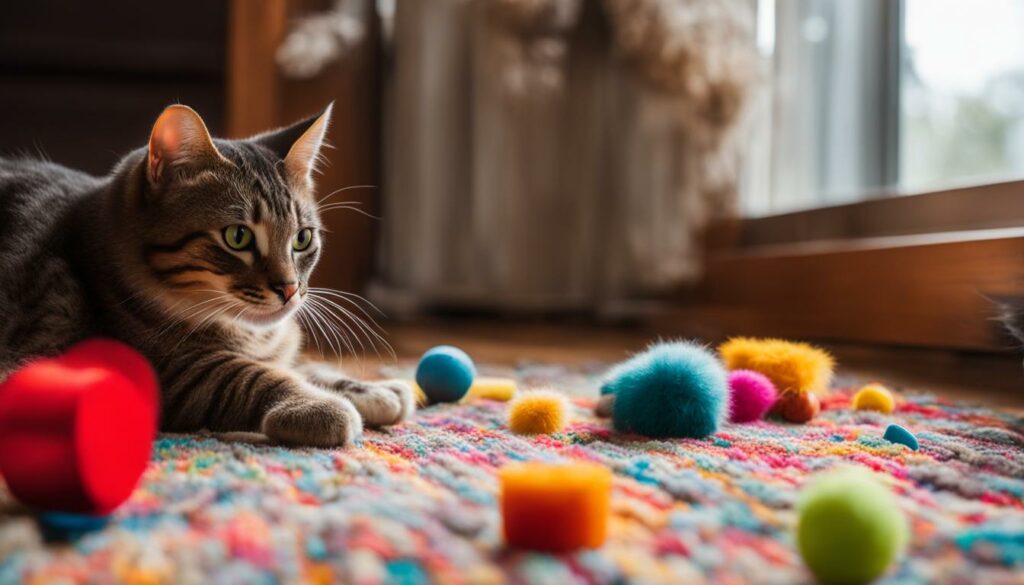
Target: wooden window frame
921, 270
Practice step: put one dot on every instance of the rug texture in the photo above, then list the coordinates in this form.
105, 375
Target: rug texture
417, 503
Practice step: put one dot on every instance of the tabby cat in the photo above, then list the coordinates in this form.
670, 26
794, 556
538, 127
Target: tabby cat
198, 253
1013, 318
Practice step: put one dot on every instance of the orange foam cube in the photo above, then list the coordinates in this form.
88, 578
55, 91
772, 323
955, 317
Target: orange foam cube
555, 507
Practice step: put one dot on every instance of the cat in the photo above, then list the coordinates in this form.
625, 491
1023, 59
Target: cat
197, 252
1012, 317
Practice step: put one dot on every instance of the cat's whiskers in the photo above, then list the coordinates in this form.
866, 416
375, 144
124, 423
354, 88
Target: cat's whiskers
369, 324
317, 320
205, 313
241, 311
314, 322
335, 319
193, 310
180, 317
307, 321
327, 321
176, 317
368, 327
201, 310
333, 206
343, 189
206, 321
141, 288
331, 311
371, 332
351, 295
304, 321
351, 299
135, 295
331, 321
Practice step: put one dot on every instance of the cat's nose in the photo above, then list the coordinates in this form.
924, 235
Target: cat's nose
285, 290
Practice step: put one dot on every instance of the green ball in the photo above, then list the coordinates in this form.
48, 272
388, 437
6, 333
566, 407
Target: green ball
850, 528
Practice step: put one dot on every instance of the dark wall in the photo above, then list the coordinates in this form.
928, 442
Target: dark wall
83, 82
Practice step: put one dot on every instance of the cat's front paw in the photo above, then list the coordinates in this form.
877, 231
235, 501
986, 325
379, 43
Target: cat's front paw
381, 403
329, 421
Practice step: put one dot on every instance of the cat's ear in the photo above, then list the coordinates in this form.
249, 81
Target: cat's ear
299, 146
179, 138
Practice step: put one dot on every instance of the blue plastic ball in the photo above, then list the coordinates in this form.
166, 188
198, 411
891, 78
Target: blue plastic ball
898, 434
445, 374
673, 389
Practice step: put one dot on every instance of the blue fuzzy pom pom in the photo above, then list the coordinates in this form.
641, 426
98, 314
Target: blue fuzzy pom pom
445, 374
675, 389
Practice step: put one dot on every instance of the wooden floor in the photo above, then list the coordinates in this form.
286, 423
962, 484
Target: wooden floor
990, 379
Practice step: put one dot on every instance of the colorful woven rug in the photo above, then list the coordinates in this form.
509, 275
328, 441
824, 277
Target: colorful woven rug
417, 503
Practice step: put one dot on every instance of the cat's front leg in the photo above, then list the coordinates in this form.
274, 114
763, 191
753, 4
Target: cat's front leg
225, 392
380, 403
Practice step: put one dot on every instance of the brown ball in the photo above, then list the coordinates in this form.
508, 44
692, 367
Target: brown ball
798, 407
605, 406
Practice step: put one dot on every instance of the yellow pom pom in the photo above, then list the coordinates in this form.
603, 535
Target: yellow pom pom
874, 397
540, 412
791, 366
503, 389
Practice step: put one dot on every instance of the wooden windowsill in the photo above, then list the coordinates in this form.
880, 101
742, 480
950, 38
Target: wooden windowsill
962, 208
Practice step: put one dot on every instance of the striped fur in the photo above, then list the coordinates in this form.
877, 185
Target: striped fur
1012, 316
141, 255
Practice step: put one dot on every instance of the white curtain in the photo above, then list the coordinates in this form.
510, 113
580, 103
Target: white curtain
557, 154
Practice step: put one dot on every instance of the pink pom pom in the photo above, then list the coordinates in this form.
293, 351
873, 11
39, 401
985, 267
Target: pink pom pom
751, 395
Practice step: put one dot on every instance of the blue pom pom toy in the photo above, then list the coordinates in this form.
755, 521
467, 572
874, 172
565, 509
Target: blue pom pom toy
674, 389
445, 374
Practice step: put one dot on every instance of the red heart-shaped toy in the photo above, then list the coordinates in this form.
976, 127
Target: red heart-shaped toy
76, 430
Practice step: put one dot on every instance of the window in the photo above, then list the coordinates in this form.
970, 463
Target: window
962, 92
869, 98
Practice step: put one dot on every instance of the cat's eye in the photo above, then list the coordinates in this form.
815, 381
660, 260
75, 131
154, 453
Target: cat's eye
238, 237
302, 240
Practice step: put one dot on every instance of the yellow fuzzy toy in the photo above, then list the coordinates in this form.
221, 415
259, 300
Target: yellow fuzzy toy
791, 366
418, 393
540, 412
503, 389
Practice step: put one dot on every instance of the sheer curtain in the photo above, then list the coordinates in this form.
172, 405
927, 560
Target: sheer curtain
557, 154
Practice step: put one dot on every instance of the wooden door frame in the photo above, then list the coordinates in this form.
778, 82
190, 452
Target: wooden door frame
260, 98
255, 30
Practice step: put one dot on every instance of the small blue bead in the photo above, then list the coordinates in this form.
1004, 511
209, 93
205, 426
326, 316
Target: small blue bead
445, 374
406, 572
316, 548
898, 434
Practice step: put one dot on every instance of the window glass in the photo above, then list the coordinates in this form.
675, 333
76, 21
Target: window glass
869, 98
962, 91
